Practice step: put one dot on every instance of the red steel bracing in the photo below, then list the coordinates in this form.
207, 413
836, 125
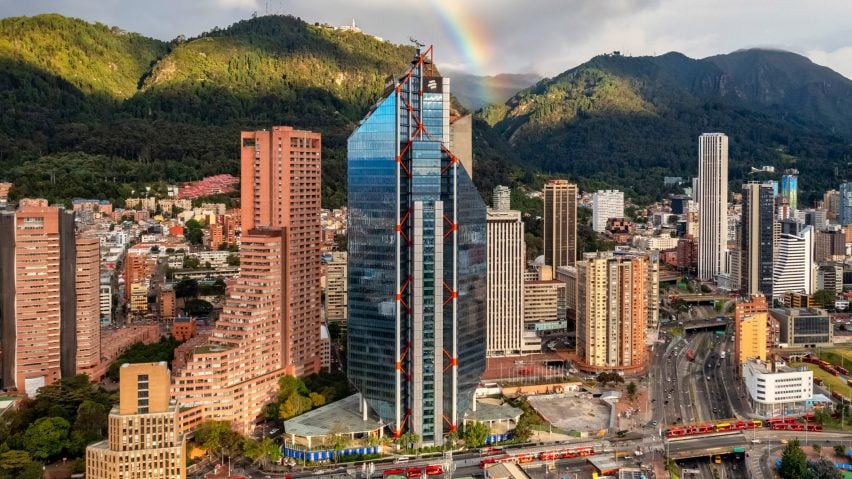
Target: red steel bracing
453, 294
453, 226
453, 427
401, 291
453, 361
398, 432
402, 358
401, 224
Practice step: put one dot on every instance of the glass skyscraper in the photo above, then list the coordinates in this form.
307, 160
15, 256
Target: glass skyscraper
417, 261
790, 187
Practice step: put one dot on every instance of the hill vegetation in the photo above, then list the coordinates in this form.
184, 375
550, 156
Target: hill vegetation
627, 122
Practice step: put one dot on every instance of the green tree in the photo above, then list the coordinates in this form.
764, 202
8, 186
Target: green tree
839, 450
191, 262
824, 469
317, 399
631, 391
288, 385
186, 288
197, 307
824, 297
294, 405
794, 464
217, 436
523, 429
14, 460
475, 434
338, 443
409, 440
451, 440
47, 437
816, 448
233, 260
91, 420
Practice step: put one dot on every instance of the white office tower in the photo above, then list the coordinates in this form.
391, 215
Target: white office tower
793, 270
505, 297
713, 205
501, 198
606, 204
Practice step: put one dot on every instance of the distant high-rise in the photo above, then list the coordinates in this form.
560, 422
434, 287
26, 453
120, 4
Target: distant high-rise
560, 223
501, 198
756, 239
38, 305
790, 186
336, 289
606, 204
143, 439
505, 298
88, 283
793, 270
713, 205
417, 261
845, 203
831, 203
830, 244
613, 301
280, 188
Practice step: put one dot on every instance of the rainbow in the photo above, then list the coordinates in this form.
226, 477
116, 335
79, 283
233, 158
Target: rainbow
469, 37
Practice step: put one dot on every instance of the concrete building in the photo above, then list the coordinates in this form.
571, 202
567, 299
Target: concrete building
568, 275
756, 239
830, 244
88, 305
775, 389
560, 223
804, 327
830, 277
606, 204
166, 302
183, 329
793, 270
281, 189
139, 298
216, 236
417, 261
790, 187
139, 265
750, 322
712, 199
143, 440
337, 289
831, 203
234, 375
501, 199
541, 302
106, 301
38, 282
461, 140
613, 303
504, 305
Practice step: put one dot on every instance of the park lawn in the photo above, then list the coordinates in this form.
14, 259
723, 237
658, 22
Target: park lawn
835, 382
837, 356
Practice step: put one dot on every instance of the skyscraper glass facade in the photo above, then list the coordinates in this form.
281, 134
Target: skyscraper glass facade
417, 261
789, 189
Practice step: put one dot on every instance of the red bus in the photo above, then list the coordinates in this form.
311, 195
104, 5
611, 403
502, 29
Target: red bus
394, 472
434, 470
524, 458
413, 472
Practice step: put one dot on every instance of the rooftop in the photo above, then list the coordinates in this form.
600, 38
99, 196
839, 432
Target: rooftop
341, 416
765, 367
486, 411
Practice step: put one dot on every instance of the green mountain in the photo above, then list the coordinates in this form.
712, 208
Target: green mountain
629, 121
475, 92
172, 112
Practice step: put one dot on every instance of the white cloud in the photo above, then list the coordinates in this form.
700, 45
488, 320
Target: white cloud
839, 60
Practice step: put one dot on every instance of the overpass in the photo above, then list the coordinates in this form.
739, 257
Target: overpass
700, 298
708, 445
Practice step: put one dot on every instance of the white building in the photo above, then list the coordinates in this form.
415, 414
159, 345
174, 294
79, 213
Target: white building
505, 294
659, 243
713, 205
106, 299
793, 268
606, 204
501, 198
776, 389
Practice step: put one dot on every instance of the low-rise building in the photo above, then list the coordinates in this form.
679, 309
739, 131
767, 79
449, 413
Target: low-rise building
775, 388
183, 329
808, 327
541, 302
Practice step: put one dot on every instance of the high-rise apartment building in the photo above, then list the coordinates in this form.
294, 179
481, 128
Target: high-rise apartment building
38, 286
606, 204
790, 187
501, 198
845, 203
336, 289
750, 320
505, 299
793, 271
281, 189
143, 439
417, 261
613, 301
831, 203
216, 236
560, 223
756, 239
712, 200
234, 375
88, 281
830, 244
139, 264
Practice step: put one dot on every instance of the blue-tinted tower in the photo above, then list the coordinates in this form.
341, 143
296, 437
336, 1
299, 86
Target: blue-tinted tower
417, 271
790, 187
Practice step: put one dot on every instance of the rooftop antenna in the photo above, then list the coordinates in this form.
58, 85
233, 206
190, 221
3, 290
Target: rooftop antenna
416, 43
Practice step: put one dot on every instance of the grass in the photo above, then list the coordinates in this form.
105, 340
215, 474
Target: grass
674, 472
839, 357
835, 382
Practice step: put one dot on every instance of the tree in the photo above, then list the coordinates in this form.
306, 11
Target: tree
219, 437
794, 464
338, 443
91, 420
14, 460
824, 297
233, 260
294, 405
191, 262
631, 391
523, 429
475, 434
186, 288
816, 448
288, 385
824, 469
839, 450
451, 440
197, 307
409, 440
316, 399
47, 437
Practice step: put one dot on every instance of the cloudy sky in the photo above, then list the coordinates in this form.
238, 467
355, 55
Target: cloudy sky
496, 36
